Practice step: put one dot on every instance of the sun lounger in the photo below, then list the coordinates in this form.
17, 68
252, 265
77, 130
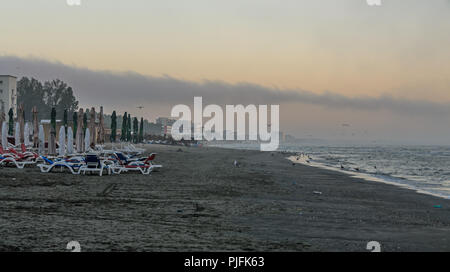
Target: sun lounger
149, 160
74, 167
17, 163
94, 164
123, 164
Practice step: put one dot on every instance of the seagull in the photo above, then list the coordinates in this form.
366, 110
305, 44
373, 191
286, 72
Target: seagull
140, 107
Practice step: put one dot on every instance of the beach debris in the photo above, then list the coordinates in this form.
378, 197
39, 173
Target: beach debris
199, 208
342, 167
179, 150
437, 206
317, 193
357, 169
108, 189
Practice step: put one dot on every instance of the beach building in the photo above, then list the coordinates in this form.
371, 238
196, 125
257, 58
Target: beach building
166, 125
8, 93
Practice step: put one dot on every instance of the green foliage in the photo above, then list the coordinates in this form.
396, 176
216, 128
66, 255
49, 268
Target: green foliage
51, 94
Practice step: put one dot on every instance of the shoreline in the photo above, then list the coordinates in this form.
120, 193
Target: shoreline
385, 179
367, 177
199, 201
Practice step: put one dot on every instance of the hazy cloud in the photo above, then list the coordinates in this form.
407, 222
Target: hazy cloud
122, 91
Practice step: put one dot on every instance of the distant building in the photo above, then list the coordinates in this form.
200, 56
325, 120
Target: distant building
166, 125
165, 121
8, 93
289, 138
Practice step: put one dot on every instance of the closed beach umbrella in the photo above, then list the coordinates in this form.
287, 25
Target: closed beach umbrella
17, 134
5, 135
35, 127
69, 140
87, 140
62, 141
27, 134
41, 140
80, 131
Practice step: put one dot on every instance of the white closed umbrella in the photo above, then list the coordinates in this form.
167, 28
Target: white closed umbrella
41, 140
62, 141
69, 140
27, 135
4, 136
17, 134
87, 140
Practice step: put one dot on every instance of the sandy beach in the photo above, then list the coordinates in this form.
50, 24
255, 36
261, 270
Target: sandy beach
200, 202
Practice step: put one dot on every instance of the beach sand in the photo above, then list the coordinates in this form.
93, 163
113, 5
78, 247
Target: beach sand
200, 202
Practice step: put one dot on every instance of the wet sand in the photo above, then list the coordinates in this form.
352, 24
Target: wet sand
200, 202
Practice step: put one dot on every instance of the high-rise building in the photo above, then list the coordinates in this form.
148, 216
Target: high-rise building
8, 93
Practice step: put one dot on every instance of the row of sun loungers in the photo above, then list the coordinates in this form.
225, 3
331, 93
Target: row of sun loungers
98, 162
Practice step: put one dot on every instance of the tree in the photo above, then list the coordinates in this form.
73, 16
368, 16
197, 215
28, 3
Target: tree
30, 93
75, 122
59, 95
129, 128
52, 94
113, 127
11, 122
123, 136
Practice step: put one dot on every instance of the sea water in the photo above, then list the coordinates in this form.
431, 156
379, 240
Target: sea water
425, 169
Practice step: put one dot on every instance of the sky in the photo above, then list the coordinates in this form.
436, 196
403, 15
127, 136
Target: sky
384, 70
